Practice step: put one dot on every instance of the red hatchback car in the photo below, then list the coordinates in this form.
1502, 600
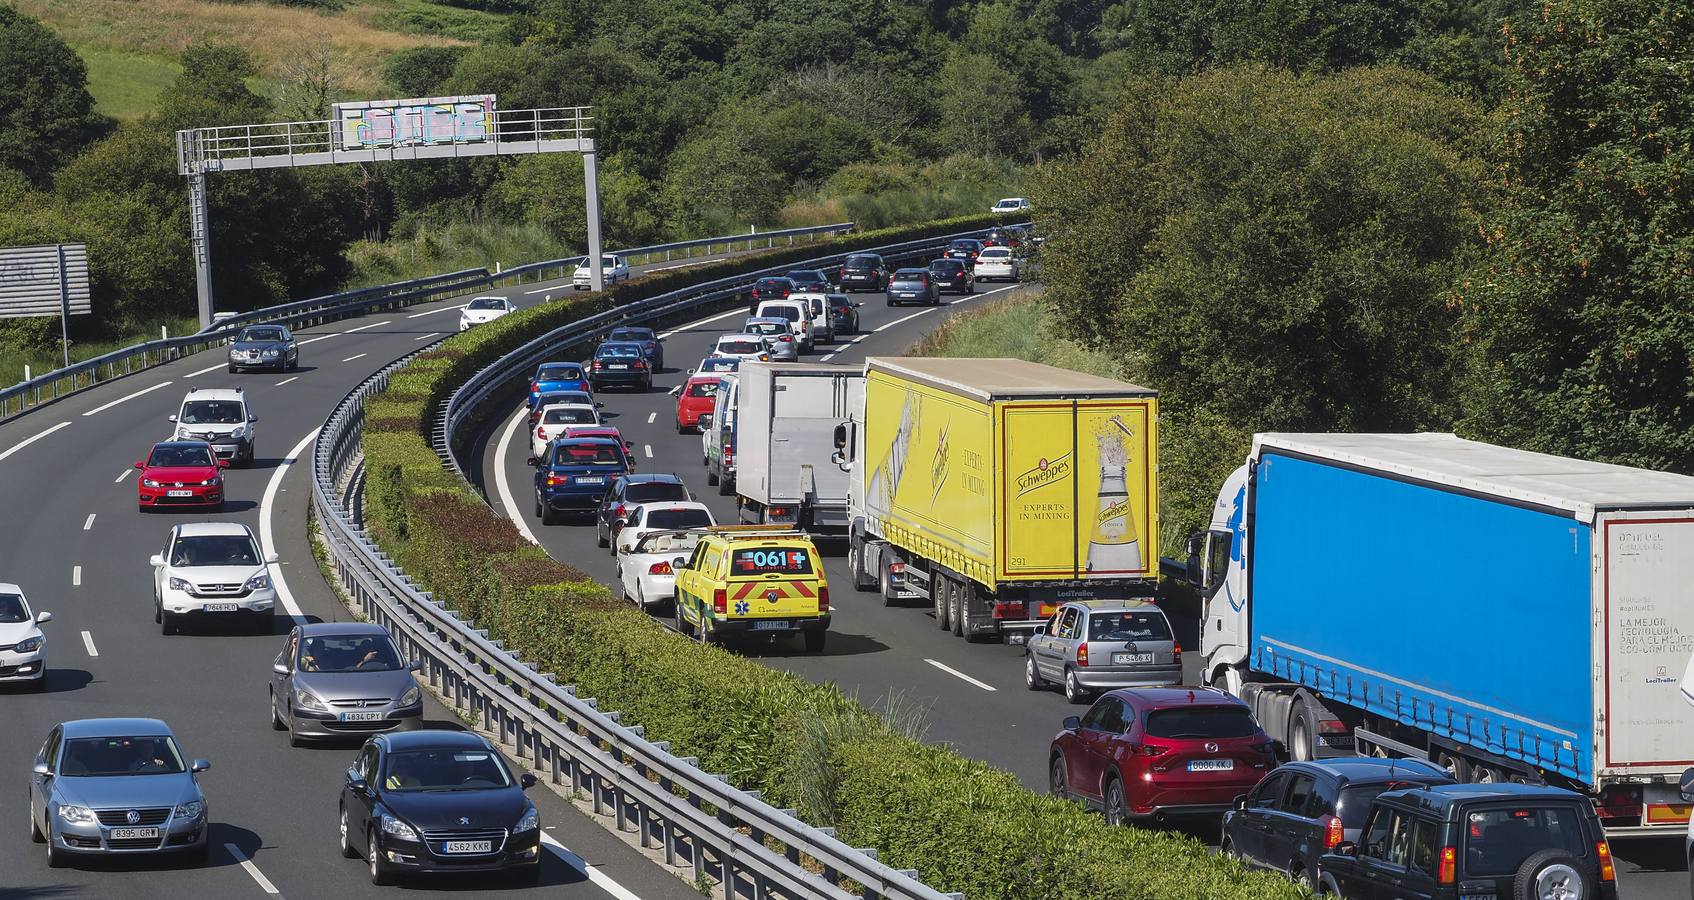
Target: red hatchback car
181, 473
699, 394
1143, 753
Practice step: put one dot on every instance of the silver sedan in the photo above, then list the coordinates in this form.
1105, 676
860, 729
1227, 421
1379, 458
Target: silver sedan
342, 679
1096, 645
778, 333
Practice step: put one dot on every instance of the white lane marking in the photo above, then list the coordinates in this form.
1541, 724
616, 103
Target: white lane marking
88, 643
934, 308
321, 337
425, 337
88, 523
76, 576
356, 356
372, 325
706, 321
124, 399
651, 416
432, 312
502, 484
958, 674
287, 380
258, 876
207, 369
649, 450
122, 475
267, 541
547, 290
600, 879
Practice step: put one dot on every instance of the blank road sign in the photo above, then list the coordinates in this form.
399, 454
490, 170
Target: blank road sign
29, 280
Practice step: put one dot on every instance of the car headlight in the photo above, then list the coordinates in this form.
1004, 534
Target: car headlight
271, 353
190, 810
309, 700
180, 584
238, 431
531, 820
148, 482
29, 645
399, 829
210, 481
182, 434
259, 582
77, 815
412, 696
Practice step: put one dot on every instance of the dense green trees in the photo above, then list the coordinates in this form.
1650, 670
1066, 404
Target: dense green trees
48, 114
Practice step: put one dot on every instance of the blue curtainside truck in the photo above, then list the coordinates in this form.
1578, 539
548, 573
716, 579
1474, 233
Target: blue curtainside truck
1511, 616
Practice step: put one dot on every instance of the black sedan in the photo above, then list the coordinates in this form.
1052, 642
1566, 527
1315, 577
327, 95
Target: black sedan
771, 288
622, 363
952, 275
864, 272
810, 280
651, 344
438, 801
264, 347
965, 249
844, 312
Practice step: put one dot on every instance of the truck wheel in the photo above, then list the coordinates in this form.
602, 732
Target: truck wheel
943, 605
862, 581
956, 600
1551, 873
711, 476
1300, 746
725, 487
1454, 764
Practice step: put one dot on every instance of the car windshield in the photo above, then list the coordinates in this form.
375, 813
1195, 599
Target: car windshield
560, 373
1201, 722
632, 334
791, 313
106, 757
774, 283
621, 351
860, 262
741, 346
649, 491
587, 455
214, 550
806, 275
768, 560
766, 328
839, 302
1497, 841
211, 412
720, 364
677, 518
946, 266
565, 415
486, 303
348, 653
12, 609
996, 253
444, 770
180, 457
261, 334
1128, 626
909, 277
553, 398
702, 389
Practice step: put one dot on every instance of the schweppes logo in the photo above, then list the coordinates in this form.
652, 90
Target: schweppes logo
1115, 510
1046, 472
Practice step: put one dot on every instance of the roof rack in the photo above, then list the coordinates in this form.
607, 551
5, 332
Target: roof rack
757, 531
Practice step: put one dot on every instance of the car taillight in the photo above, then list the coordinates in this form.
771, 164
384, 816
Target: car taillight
541, 433
823, 600
558, 479
659, 568
1447, 869
720, 601
1150, 750
534, 386
595, 366
1608, 872
779, 510
1082, 654
1176, 648
640, 364
787, 339
1333, 832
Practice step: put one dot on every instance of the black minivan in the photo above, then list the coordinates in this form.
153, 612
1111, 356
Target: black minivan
1464, 841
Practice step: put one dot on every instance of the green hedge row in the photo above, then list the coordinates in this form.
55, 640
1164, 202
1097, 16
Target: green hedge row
964, 825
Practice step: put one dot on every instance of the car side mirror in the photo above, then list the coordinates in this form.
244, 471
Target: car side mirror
279, 668
858, 303
1241, 802
1345, 848
42, 618
1687, 785
357, 784
171, 418
141, 464
42, 770
676, 391
526, 781
223, 463
1041, 630
680, 562
252, 418
1072, 723
157, 561
199, 765
692, 371
1195, 542
532, 462
599, 405
415, 665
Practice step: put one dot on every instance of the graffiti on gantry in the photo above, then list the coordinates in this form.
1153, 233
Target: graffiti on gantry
373, 124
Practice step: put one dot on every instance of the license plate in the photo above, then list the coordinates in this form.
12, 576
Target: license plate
1211, 765
907, 296
133, 834
221, 607
617, 366
1130, 659
591, 479
1478, 897
361, 717
770, 626
470, 846
179, 493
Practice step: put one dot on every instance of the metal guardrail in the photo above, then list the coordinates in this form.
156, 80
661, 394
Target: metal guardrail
695, 817
80, 376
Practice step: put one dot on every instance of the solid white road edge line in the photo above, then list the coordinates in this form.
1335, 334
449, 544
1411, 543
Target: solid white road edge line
88, 644
287, 380
958, 674
88, 523
267, 542
600, 879
434, 311
502, 483
126, 399
207, 369
258, 876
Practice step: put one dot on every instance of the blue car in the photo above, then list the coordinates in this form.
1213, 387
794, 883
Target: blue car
557, 376
622, 363
651, 344
575, 473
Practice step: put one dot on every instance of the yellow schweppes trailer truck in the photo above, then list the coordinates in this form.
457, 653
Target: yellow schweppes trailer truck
996, 489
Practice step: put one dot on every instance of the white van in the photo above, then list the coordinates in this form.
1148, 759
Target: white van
717, 437
797, 312
823, 327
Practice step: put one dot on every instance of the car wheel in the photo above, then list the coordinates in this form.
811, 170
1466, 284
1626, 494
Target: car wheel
1552, 873
1031, 674
39, 685
233, 370
380, 874
815, 640
347, 850
1116, 812
1226, 848
294, 740
34, 823
158, 612
601, 539
1057, 781
1303, 880
276, 720
890, 302
1074, 691
56, 858
683, 627
705, 633
711, 476
167, 623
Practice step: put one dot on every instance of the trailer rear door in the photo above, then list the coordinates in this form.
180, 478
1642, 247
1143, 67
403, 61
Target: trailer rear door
1647, 580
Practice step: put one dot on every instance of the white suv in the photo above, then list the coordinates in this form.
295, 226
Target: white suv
23, 648
220, 417
212, 571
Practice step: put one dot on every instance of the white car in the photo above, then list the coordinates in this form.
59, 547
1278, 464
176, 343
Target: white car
821, 323
212, 571
220, 417
995, 263
555, 418
743, 346
23, 648
647, 566
613, 269
797, 312
1010, 205
482, 310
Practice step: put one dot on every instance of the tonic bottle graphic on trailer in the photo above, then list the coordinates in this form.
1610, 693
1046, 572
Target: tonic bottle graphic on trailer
885, 479
1114, 545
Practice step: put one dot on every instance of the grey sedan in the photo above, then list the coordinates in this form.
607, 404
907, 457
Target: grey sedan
1096, 645
342, 679
785, 347
264, 347
115, 786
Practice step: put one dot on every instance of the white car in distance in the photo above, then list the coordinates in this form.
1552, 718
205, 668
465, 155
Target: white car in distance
998, 263
647, 566
482, 310
555, 419
1010, 205
23, 647
613, 269
743, 346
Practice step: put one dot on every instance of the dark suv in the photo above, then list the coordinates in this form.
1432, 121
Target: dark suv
629, 491
1453, 841
952, 275
1304, 809
864, 272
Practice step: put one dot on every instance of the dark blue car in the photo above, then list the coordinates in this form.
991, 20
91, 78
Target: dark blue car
557, 376
574, 475
622, 363
651, 343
